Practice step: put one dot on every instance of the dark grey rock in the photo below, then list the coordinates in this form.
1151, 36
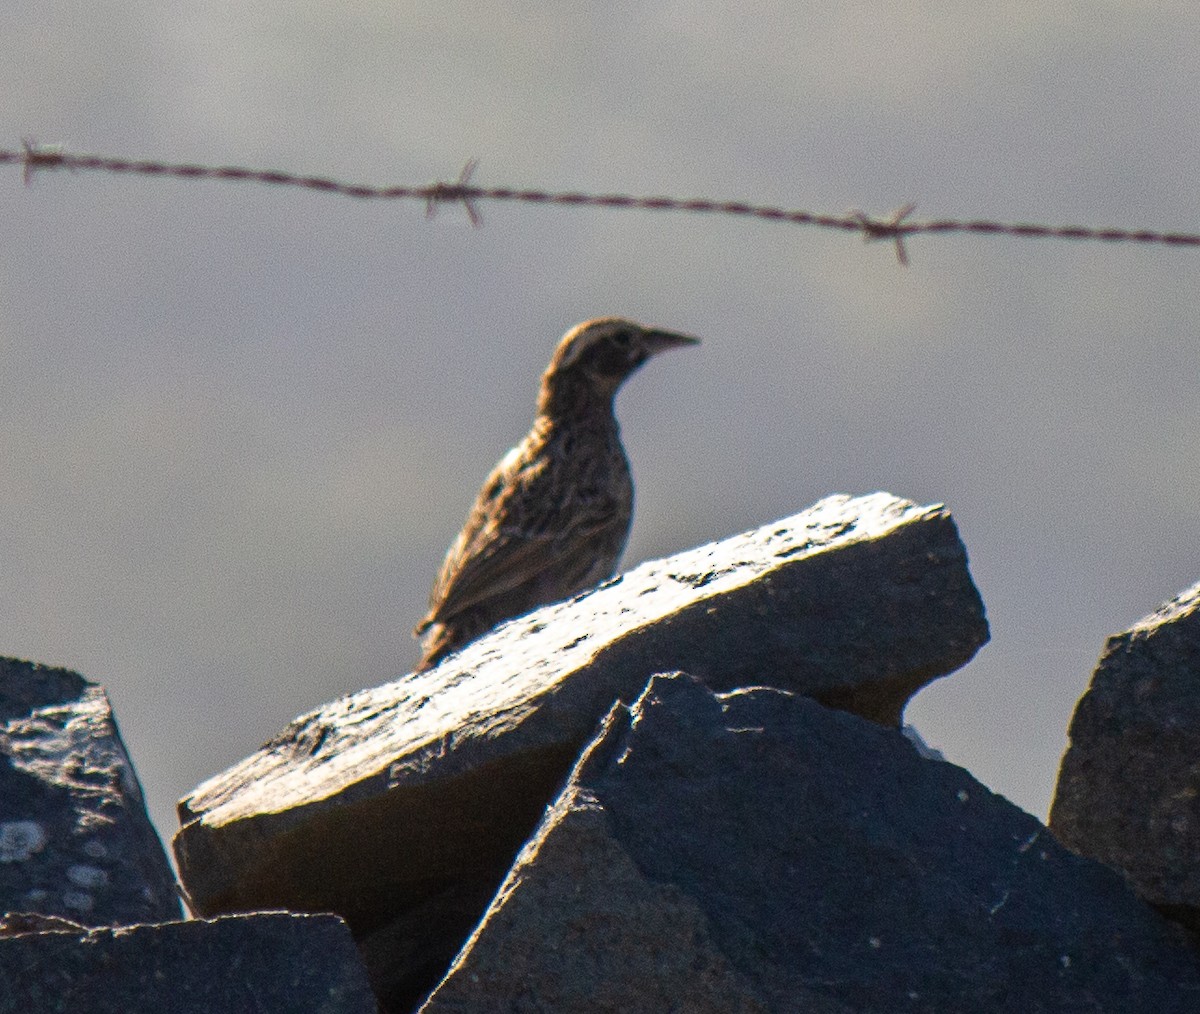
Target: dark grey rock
75, 840
408, 956
1128, 789
268, 963
15, 924
754, 851
416, 796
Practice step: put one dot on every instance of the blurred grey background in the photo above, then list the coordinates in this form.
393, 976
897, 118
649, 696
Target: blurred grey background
240, 425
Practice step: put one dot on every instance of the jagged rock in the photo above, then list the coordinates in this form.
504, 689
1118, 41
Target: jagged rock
75, 840
416, 796
1128, 789
15, 924
756, 852
268, 963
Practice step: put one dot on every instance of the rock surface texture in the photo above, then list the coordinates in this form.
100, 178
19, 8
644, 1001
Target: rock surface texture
755, 852
401, 808
75, 840
686, 790
1128, 790
272, 963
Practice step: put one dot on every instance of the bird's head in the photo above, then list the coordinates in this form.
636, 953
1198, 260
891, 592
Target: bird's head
595, 357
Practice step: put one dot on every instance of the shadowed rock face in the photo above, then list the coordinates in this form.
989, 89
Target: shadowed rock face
754, 851
75, 840
270, 963
415, 796
1128, 791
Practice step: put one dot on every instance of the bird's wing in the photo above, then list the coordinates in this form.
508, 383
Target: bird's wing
520, 526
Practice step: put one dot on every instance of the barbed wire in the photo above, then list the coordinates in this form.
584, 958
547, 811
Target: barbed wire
896, 227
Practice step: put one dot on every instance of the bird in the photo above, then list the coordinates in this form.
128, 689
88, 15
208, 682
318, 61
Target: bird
553, 515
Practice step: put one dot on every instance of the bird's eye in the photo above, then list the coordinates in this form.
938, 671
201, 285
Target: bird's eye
623, 338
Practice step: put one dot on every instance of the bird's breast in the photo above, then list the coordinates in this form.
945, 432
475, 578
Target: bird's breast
595, 460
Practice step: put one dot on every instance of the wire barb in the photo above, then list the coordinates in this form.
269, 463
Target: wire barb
458, 191
35, 157
893, 228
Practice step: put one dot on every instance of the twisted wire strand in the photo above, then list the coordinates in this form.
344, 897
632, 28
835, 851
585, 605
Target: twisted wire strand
896, 227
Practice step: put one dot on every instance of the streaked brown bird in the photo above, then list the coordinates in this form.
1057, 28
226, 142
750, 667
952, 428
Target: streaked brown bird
553, 516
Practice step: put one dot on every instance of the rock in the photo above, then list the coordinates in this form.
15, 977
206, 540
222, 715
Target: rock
15, 924
919, 744
269, 963
75, 840
1128, 790
754, 851
416, 796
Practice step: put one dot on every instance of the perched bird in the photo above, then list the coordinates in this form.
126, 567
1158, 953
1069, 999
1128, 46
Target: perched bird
553, 516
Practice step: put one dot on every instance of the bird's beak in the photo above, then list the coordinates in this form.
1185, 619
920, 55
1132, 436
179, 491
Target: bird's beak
659, 341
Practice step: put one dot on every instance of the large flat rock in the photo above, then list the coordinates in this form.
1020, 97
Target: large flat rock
416, 795
75, 839
756, 852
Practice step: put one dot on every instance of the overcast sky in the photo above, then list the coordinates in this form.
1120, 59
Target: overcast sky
240, 425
